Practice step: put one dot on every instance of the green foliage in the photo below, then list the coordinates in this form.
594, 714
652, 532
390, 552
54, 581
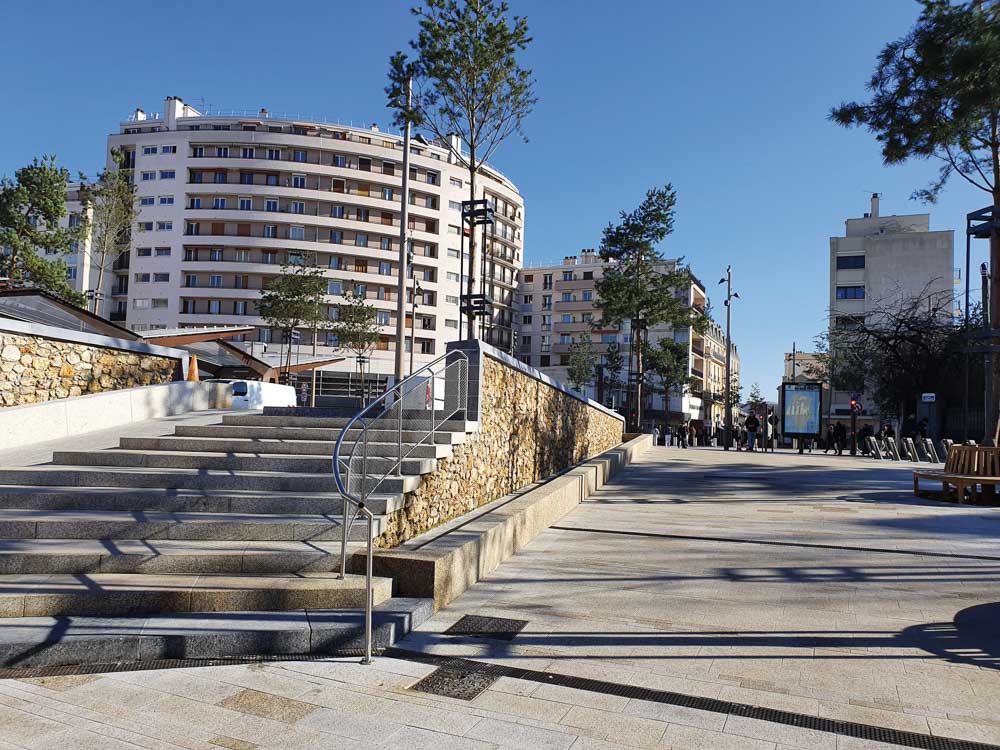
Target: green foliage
31, 205
356, 328
582, 361
614, 364
936, 93
667, 365
294, 299
735, 391
112, 200
758, 404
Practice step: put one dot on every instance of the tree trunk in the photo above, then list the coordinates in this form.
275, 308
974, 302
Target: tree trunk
638, 377
288, 359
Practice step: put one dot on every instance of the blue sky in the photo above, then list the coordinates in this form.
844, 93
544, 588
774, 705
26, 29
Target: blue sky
727, 100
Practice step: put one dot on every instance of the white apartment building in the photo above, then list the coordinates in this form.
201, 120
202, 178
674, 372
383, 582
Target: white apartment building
225, 200
882, 261
557, 304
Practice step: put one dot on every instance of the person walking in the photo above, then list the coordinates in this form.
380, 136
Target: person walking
839, 437
830, 440
656, 435
753, 426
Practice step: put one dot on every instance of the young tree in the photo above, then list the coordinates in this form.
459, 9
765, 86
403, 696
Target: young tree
638, 286
735, 392
582, 361
935, 93
294, 299
357, 330
758, 404
466, 82
31, 206
667, 362
114, 211
614, 362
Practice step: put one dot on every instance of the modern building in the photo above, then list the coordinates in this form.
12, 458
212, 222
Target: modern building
227, 198
558, 303
883, 262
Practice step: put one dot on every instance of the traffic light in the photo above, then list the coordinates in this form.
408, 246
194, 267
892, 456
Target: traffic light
854, 404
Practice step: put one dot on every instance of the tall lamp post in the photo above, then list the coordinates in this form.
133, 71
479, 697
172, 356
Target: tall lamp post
730, 296
403, 225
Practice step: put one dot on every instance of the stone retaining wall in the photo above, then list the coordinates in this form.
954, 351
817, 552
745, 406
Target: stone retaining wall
35, 369
529, 429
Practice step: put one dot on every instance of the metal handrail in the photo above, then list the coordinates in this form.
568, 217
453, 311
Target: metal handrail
392, 398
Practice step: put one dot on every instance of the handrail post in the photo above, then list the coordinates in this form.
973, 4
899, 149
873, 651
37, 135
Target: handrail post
399, 436
433, 421
369, 594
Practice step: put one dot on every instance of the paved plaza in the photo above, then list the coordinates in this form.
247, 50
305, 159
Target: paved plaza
815, 585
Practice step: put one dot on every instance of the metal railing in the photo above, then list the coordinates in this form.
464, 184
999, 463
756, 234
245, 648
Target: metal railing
418, 405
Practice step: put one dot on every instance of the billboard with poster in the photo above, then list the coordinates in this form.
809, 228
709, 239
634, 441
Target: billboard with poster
801, 405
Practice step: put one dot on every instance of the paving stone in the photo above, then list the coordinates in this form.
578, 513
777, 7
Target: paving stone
512, 735
681, 737
267, 705
615, 727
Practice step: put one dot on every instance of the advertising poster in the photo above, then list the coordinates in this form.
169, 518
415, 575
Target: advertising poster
802, 403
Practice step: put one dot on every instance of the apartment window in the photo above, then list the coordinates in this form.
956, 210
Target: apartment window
298, 207
361, 290
168, 150
296, 233
164, 226
453, 253
452, 229
455, 182
360, 265
271, 205
145, 226
588, 275
248, 152
270, 231
567, 275
193, 227
336, 237
331, 338
214, 307
141, 278
215, 255
362, 214
337, 211
162, 252
547, 302
451, 323
335, 262
269, 257
845, 262
526, 320
274, 154
432, 178
426, 346
385, 268
385, 243
196, 203
430, 202
198, 152
566, 318
239, 307
454, 205
382, 317
298, 155
388, 168
246, 178
215, 281
187, 306
147, 176
567, 296
850, 292
147, 150
339, 160
219, 203
222, 151
71, 274
528, 298
451, 276
565, 338
387, 194
587, 317
298, 180
365, 165
451, 299
243, 256
608, 338
547, 281
140, 304
588, 296
197, 178
166, 200
544, 360
246, 204
161, 278
144, 252
361, 240
167, 174
335, 287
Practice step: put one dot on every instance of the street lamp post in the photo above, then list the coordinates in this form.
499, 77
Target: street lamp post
403, 225
730, 296
417, 289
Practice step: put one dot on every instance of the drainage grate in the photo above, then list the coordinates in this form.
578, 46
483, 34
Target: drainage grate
497, 628
456, 683
832, 726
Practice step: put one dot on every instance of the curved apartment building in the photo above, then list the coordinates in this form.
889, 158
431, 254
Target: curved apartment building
226, 200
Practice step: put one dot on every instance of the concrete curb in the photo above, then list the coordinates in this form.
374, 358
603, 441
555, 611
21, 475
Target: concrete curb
441, 565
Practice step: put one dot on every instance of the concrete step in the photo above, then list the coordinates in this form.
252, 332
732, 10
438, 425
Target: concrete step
315, 433
231, 462
182, 501
129, 594
112, 524
188, 479
171, 556
47, 641
273, 446
417, 422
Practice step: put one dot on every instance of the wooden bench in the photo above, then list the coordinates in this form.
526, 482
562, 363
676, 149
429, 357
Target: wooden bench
968, 467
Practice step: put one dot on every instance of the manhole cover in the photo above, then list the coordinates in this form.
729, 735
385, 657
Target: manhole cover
453, 683
499, 628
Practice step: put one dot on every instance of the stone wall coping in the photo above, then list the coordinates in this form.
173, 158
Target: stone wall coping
85, 338
516, 364
445, 561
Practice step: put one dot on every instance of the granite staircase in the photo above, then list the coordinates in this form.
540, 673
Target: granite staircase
220, 539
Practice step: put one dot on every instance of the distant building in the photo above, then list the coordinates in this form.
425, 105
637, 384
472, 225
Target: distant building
883, 261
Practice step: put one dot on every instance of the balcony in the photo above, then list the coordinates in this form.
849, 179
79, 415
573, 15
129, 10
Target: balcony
697, 373
117, 316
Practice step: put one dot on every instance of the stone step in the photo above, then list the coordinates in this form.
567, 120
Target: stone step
112, 524
272, 446
46, 641
172, 556
315, 433
181, 501
130, 594
417, 422
189, 479
232, 462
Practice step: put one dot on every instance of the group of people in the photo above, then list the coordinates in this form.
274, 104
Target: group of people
751, 433
681, 435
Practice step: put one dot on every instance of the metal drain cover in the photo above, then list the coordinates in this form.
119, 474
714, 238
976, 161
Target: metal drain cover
499, 628
455, 683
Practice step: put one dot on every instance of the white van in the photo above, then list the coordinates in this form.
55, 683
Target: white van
254, 394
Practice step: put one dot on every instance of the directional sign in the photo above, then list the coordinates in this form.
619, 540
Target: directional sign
928, 398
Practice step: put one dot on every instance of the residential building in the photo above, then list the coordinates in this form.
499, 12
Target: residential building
558, 303
882, 262
226, 199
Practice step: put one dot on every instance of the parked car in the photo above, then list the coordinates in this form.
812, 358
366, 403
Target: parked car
254, 394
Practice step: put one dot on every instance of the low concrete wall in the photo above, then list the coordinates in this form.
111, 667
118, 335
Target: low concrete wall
36, 423
443, 563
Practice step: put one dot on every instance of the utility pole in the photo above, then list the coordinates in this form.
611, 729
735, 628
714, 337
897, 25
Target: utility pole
417, 289
403, 222
730, 296
989, 429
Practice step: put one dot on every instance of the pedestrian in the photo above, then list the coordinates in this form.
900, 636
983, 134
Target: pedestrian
830, 439
693, 436
753, 425
656, 435
839, 437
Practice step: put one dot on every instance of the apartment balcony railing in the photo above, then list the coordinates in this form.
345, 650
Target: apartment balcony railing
697, 373
698, 350
116, 316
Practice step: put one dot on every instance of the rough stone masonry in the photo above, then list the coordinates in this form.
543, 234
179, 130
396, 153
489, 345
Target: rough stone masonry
35, 369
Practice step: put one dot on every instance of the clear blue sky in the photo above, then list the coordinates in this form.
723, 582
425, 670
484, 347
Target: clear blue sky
727, 100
